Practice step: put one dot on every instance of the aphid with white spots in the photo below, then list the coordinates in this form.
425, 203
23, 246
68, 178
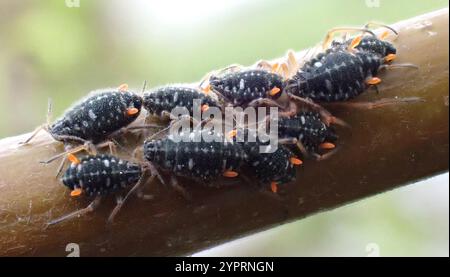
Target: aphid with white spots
95, 119
265, 86
97, 116
312, 134
345, 70
243, 87
161, 101
342, 75
274, 168
96, 176
201, 161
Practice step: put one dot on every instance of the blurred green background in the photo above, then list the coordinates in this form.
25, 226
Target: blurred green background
63, 49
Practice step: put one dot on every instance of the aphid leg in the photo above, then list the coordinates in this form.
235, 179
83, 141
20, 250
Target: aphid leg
263, 64
329, 36
127, 129
87, 146
397, 65
123, 88
178, 188
266, 190
287, 141
293, 65
326, 116
296, 142
264, 101
154, 172
148, 168
162, 132
90, 208
112, 146
325, 156
284, 70
379, 103
274, 187
122, 201
69, 138
140, 194
131, 129
61, 166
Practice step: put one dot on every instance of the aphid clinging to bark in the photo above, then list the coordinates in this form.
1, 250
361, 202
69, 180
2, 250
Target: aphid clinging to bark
100, 175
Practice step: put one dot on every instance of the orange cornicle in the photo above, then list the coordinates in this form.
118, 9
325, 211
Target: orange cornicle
132, 111
72, 158
230, 174
76, 192
295, 161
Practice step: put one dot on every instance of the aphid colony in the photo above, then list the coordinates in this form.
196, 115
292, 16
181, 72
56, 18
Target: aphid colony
342, 71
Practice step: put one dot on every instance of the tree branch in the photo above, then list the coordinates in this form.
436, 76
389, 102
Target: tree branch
386, 148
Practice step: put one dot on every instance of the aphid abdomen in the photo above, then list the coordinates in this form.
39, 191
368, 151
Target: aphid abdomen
370, 63
242, 87
101, 174
98, 115
202, 161
338, 76
165, 99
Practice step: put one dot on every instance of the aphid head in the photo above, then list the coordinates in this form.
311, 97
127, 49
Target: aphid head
390, 48
377, 46
215, 83
150, 101
287, 174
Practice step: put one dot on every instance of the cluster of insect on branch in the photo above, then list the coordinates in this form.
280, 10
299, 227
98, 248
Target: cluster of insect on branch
340, 71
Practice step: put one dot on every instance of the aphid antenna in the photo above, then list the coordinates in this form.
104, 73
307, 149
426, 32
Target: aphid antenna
116, 143
144, 86
49, 111
399, 65
381, 25
44, 126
